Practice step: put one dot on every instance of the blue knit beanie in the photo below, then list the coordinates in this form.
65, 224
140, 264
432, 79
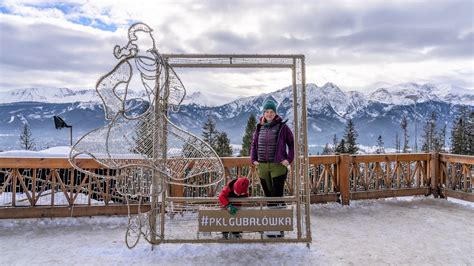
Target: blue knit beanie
269, 104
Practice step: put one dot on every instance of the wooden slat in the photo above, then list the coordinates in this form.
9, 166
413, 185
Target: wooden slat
326, 180
465, 171
59, 163
25, 188
236, 161
453, 176
33, 187
366, 175
14, 182
64, 211
455, 158
371, 158
389, 193
62, 187
8, 180
458, 194
396, 172
323, 198
323, 159
80, 187
355, 178
44, 185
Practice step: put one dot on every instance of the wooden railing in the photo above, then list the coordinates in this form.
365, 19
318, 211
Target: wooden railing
455, 176
36, 187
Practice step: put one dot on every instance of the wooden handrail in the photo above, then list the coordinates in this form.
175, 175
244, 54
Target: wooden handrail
63, 163
372, 158
456, 158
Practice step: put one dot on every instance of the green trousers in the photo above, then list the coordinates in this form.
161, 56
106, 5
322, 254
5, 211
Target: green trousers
272, 173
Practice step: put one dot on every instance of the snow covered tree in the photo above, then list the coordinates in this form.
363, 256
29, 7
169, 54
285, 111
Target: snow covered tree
404, 126
380, 145
248, 134
350, 137
26, 138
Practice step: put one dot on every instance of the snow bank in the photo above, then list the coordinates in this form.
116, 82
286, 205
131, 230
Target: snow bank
54, 152
412, 230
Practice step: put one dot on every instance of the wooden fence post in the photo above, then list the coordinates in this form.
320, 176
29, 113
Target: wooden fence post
434, 172
344, 164
176, 190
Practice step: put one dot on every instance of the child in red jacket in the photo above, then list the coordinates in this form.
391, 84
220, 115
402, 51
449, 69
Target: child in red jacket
236, 188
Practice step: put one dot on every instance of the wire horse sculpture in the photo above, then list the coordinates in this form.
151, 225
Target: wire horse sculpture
147, 151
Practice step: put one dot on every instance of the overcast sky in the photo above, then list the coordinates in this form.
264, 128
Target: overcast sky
354, 44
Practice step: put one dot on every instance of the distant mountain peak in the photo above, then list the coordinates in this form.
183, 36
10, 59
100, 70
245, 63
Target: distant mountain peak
329, 93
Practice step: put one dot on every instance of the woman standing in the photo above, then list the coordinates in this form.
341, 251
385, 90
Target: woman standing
272, 150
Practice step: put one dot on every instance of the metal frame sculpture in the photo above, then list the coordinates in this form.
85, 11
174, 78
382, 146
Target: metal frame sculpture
149, 152
139, 141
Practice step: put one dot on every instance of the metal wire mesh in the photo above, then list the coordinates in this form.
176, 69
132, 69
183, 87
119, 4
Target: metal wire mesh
148, 151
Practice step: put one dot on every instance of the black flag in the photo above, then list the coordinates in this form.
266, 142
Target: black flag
59, 122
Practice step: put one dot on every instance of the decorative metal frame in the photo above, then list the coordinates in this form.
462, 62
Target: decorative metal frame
150, 153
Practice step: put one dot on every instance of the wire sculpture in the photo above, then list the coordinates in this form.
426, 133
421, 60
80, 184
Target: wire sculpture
146, 149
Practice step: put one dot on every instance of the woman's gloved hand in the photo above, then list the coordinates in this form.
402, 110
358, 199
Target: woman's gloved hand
232, 210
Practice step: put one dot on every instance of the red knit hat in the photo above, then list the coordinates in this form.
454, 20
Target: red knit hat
241, 186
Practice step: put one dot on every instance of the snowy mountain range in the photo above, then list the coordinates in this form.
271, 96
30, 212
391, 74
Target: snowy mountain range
375, 113
394, 95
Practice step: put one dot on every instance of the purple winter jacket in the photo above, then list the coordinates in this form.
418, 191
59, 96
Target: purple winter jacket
285, 138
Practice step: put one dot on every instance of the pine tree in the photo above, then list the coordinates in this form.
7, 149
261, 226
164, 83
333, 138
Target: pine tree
350, 137
327, 150
404, 126
209, 132
26, 138
380, 145
470, 134
397, 143
334, 143
223, 147
341, 147
429, 133
457, 136
440, 140
462, 133
247, 138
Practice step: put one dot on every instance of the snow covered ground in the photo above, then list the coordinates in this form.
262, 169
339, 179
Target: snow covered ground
412, 230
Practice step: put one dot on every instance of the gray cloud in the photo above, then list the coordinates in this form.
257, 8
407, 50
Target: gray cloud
49, 47
403, 30
331, 33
